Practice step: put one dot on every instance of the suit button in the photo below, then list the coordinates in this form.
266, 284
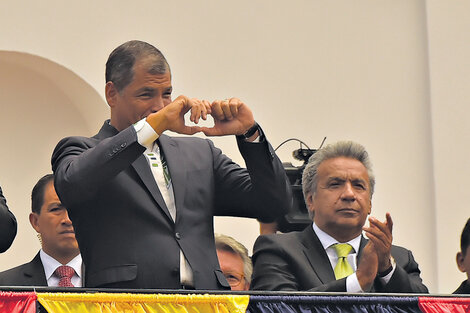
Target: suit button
177, 236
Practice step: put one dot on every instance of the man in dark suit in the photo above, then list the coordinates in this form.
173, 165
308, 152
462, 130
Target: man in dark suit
332, 255
59, 247
463, 259
143, 208
8, 226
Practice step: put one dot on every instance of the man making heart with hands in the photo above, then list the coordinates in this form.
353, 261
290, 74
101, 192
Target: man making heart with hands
142, 202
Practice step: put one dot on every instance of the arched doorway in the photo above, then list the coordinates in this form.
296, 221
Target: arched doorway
40, 103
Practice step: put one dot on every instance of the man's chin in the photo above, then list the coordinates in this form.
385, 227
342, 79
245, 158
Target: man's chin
351, 224
69, 244
71, 249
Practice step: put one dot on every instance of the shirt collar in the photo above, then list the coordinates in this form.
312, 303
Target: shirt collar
327, 241
50, 264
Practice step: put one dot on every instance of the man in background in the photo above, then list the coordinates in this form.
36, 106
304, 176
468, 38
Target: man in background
332, 254
142, 202
58, 263
234, 262
463, 259
8, 226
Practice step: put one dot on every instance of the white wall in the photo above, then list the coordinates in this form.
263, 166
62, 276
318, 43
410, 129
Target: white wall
449, 51
40, 103
361, 70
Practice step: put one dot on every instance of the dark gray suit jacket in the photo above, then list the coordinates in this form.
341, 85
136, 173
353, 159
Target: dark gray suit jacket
126, 235
297, 261
29, 274
8, 225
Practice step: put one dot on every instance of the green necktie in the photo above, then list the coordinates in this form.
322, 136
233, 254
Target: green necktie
343, 268
166, 172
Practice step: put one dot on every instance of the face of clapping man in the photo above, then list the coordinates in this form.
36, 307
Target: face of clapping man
232, 265
146, 93
341, 202
55, 227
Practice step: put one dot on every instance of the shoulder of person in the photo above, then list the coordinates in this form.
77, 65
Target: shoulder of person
281, 239
13, 272
401, 254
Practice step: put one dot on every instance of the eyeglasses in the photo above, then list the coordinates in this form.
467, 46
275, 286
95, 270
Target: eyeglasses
234, 279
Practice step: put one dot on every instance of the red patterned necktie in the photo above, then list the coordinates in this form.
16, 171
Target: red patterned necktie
65, 273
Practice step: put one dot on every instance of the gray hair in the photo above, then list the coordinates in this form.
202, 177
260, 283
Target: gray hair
120, 64
348, 149
227, 243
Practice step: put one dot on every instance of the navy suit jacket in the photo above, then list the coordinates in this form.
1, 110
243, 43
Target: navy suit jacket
28, 274
126, 235
8, 225
297, 261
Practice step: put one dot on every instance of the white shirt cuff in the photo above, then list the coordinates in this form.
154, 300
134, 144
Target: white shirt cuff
352, 284
146, 135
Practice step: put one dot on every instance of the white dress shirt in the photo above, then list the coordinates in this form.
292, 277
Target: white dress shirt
50, 265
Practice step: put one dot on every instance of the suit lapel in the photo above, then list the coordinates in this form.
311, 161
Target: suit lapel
142, 168
316, 255
361, 247
34, 272
177, 168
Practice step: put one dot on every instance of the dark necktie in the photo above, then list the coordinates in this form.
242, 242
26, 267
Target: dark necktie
65, 273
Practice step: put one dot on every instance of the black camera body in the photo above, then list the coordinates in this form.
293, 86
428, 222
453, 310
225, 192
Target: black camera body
297, 218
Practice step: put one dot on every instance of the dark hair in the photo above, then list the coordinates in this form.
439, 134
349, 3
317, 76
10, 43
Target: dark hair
465, 238
120, 64
37, 196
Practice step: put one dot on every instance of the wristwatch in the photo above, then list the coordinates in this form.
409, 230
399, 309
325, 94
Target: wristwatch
250, 132
388, 270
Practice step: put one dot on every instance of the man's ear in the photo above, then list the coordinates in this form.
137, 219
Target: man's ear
460, 264
34, 220
310, 206
111, 93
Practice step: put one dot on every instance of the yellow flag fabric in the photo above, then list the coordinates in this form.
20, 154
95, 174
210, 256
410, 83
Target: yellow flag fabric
142, 303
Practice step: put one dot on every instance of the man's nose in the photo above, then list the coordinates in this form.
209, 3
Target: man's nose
158, 104
66, 219
348, 192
